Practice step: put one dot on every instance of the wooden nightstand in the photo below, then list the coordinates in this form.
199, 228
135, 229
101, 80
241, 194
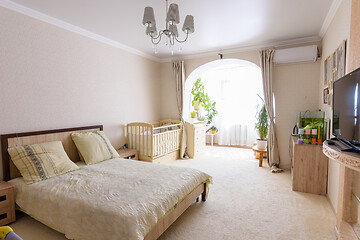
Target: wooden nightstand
128, 153
7, 203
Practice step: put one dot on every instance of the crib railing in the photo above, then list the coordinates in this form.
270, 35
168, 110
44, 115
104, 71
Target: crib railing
154, 140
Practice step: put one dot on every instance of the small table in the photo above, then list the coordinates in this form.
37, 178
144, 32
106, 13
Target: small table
261, 154
128, 153
212, 137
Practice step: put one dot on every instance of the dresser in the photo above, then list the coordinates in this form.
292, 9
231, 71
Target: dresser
195, 138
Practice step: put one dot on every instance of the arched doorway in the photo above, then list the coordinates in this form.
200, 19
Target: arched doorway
234, 85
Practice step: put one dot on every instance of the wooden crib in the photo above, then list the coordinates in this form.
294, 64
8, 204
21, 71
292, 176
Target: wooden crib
155, 142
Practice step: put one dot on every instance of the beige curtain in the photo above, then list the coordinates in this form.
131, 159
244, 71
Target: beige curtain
179, 73
266, 64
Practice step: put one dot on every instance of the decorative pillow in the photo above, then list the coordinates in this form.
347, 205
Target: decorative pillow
94, 147
41, 161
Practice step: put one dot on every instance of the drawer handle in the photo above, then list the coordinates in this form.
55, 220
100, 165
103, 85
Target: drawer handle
3, 216
3, 198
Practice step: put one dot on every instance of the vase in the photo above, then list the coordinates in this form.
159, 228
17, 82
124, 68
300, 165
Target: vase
197, 105
261, 144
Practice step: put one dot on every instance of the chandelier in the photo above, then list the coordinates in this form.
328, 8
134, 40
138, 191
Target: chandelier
170, 31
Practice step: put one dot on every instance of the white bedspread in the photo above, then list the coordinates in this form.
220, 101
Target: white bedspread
114, 199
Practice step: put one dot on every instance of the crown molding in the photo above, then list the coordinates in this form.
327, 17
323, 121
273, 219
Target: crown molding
329, 17
208, 53
214, 52
67, 26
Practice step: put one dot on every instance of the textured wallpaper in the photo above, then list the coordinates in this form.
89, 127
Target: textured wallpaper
53, 78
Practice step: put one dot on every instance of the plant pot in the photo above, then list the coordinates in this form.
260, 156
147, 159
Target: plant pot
193, 114
197, 105
261, 144
213, 131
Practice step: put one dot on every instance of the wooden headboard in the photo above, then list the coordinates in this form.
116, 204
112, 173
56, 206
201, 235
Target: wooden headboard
25, 138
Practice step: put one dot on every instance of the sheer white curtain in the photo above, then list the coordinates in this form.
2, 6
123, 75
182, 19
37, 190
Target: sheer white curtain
234, 88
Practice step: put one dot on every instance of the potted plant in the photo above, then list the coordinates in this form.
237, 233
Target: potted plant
211, 111
262, 125
202, 99
198, 92
213, 130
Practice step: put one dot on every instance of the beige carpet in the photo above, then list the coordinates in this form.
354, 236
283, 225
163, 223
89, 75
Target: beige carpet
245, 202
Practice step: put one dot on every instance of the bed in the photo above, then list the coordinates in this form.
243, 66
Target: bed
100, 201
156, 142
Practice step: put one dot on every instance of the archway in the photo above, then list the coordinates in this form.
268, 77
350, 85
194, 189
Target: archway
234, 84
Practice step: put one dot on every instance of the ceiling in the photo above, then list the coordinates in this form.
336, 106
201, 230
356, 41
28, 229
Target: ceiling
219, 25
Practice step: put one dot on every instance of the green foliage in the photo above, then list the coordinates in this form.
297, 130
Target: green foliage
204, 100
262, 124
214, 128
211, 111
313, 123
198, 92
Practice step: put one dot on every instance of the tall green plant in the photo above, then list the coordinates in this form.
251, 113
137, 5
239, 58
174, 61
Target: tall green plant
198, 92
204, 100
262, 124
211, 111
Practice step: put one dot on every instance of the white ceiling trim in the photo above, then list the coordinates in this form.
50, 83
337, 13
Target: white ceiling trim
62, 24
329, 17
246, 49
65, 25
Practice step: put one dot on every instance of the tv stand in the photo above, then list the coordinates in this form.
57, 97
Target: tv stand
349, 146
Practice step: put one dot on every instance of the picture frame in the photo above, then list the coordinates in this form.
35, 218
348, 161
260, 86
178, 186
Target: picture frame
325, 95
334, 63
329, 69
330, 82
329, 100
341, 60
325, 72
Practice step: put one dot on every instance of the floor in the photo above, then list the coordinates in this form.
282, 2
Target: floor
245, 202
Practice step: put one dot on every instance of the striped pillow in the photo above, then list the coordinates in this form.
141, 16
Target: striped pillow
94, 147
41, 161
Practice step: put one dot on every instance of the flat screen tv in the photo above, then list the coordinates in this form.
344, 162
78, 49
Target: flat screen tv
346, 118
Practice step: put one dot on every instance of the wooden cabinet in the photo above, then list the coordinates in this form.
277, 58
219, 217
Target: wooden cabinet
309, 169
195, 141
7, 203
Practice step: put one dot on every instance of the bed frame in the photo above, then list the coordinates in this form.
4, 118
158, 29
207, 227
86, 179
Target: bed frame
64, 135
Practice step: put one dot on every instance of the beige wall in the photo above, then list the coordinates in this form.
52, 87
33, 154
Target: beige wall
338, 31
295, 88
53, 78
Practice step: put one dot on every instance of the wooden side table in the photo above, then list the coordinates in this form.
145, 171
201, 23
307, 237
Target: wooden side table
261, 154
128, 153
7, 203
212, 136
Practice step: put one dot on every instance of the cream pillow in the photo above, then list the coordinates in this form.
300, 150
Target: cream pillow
94, 147
41, 161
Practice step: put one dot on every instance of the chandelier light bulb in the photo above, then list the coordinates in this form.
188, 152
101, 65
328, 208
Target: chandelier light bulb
173, 14
149, 19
